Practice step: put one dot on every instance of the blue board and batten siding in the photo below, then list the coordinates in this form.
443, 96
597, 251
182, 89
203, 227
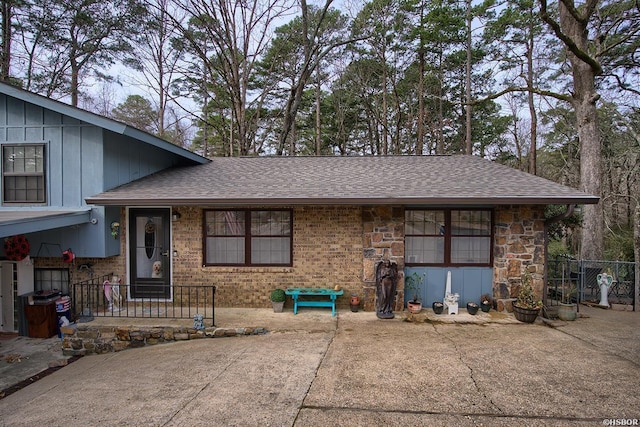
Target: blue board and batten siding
469, 282
83, 159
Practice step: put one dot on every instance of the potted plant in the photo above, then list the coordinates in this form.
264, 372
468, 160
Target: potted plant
413, 284
568, 309
438, 307
354, 303
472, 307
277, 300
486, 302
527, 306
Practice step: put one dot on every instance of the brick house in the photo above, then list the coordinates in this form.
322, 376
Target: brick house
125, 201
249, 225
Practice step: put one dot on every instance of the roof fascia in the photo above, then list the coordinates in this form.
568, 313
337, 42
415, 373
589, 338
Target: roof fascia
101, 201
35, 224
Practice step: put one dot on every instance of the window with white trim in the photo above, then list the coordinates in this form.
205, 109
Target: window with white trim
448, 237
23, 173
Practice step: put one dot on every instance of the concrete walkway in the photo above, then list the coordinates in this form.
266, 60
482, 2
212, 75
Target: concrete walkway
354, 369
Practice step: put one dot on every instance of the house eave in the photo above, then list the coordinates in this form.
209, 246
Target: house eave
382, 201
14, 222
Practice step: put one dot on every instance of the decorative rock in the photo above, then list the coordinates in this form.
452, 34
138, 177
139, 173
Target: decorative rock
67, 330
68, 352
505, 304
122, 334
120, 345
76, 344
58, 363
168, 334
103, 348
156, 333
87, 334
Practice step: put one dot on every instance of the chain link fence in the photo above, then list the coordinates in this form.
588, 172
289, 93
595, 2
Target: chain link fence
572, 280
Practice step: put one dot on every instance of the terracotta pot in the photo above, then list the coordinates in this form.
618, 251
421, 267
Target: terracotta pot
414, 306
354, 303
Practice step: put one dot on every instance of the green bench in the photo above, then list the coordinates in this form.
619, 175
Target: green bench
297, 302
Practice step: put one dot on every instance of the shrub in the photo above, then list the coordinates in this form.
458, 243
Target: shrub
278, 295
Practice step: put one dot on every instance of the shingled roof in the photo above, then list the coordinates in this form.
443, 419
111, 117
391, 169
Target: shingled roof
372, 180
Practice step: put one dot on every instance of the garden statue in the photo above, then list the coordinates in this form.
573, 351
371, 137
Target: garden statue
112, 293
604, 281
386, 280
198, 322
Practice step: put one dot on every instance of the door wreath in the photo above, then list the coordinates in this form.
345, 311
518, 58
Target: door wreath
16, 248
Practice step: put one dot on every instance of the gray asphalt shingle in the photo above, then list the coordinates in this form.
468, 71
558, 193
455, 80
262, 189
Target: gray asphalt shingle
430, 180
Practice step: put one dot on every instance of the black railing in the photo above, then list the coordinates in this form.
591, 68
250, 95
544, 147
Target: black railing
97, 297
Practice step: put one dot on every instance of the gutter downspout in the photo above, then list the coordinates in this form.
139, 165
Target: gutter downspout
547, 222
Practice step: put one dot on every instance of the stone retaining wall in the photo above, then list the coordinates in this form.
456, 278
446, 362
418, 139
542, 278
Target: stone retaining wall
85, 339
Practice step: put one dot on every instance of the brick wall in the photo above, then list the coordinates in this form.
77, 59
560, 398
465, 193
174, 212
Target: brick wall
327, 250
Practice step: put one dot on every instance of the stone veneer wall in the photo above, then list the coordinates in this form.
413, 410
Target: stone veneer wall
383, 238
518, 246
86, 339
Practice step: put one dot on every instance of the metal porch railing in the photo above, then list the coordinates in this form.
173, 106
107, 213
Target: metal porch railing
98, 298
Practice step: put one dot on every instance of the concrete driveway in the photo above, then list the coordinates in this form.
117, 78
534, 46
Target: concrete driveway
354, 369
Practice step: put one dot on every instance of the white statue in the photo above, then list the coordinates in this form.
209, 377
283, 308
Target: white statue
112, 293
604, 280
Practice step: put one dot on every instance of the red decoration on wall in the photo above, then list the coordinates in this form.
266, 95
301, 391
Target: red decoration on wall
68, 255
16, 248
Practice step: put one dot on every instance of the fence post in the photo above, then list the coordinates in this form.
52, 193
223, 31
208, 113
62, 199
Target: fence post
213, 306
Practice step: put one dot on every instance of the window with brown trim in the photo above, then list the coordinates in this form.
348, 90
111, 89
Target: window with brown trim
248, 237
448, 237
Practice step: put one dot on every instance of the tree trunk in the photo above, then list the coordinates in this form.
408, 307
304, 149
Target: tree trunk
420, 130
636, 251
318, 115
5, 52
385, 113
533, 149
468, 142
584, 101
75, 82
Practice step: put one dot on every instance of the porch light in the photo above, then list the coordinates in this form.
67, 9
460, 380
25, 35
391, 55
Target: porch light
175, 216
